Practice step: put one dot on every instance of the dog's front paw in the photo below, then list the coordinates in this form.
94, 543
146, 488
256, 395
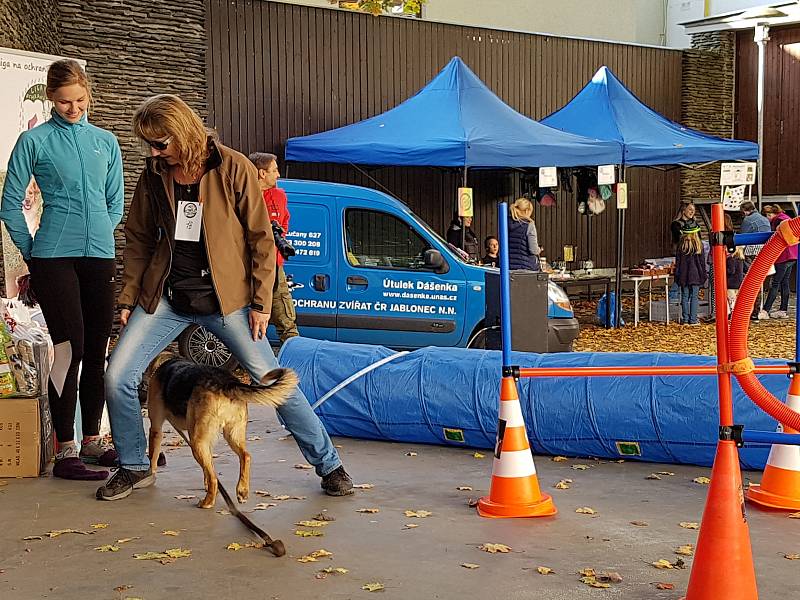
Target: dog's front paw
206, 503
242, 495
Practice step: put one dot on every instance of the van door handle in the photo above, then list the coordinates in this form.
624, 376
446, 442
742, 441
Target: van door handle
321, 282
357, 280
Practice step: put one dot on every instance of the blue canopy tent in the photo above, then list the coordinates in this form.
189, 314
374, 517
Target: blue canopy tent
607, 110
454, 121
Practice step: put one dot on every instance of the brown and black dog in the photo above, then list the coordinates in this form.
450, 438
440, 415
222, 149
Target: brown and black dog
205, 400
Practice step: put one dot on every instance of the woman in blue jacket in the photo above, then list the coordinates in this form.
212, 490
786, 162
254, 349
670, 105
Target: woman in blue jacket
78, 168
523, 242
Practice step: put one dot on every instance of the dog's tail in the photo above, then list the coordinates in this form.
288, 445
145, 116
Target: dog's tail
275, 387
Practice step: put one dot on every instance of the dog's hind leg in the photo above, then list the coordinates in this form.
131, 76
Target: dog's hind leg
157, 415
202, 442
234, 432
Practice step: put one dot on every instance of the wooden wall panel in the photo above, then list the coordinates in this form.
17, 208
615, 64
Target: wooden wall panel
281, 70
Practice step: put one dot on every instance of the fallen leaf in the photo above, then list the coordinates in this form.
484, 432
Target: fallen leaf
169, 532
370, 511
640, 523
121, 588
587, 572
668, 473
150, 556
235, 546
185, 497
687, 550
324, 517
363, 486
609, 577
99, 525
30, 538
464, 488
653, 476
420, 514
263, 506
795, 515
284, 438
559, 458
478, 455
664, 586
58, 532
411, 453
791, 556
585, 510
223, 512
592, 582
126, 540
662, 563
373, 587
309, 533
689, 525
495, 548
107, 548
470, 566
702, 480
264, 493
321, 553
303, 466
335, 570
580, 467
545, 571
287, 497
312, 523
178, 553
410, 526
254, 438
563, 484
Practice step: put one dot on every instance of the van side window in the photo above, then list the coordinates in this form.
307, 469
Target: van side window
378, 239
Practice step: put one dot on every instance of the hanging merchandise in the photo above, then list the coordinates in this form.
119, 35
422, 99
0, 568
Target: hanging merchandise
605, 192
585, 179
547, 198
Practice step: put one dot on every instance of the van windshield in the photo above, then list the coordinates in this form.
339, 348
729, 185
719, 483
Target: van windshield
452, 252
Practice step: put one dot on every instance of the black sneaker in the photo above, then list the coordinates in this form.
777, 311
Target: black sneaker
123, 482
337, 483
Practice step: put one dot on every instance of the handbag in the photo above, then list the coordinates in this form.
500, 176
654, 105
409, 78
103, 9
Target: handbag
193, 296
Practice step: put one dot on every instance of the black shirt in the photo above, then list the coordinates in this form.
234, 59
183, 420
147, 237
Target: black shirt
189, 259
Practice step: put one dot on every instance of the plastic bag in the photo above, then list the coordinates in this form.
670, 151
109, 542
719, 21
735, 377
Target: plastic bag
601, 311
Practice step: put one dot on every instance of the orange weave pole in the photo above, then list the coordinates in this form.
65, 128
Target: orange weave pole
641, 371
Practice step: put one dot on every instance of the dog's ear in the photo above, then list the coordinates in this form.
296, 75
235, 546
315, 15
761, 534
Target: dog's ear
273, 376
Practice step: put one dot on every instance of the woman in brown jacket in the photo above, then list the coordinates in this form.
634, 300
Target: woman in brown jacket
198, 250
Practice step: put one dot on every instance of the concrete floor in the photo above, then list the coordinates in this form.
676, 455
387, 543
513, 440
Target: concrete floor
418, 563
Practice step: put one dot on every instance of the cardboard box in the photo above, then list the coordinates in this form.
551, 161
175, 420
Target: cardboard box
26, 436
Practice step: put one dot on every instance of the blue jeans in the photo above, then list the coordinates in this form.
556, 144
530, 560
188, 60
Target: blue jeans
780, 281
147, 335
689, 295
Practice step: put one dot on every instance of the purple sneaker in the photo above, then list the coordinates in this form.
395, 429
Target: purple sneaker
72, 467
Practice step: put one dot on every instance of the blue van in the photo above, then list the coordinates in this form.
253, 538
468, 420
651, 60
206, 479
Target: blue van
368, 270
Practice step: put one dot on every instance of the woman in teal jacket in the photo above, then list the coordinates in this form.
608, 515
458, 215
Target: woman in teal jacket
78, 168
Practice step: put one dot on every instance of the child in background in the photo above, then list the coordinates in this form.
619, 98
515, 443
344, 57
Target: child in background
690, 270
734, 268
492, 247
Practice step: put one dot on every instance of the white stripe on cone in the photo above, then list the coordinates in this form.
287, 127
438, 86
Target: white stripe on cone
514, 463
511, 413
783, 456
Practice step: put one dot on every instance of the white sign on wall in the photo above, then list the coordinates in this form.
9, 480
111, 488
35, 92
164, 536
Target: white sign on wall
22, 95
741, 173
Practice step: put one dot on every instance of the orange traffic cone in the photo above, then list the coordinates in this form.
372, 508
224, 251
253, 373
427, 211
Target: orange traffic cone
780, 484
515, 488
723, 560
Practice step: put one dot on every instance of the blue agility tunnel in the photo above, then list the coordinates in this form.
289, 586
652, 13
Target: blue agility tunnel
450, 396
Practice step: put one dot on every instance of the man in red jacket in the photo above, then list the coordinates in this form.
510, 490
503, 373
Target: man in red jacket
282, 315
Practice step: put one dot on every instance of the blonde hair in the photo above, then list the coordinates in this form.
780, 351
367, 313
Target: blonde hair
66, 72
691, 243
739, 253
167, 116
522, 210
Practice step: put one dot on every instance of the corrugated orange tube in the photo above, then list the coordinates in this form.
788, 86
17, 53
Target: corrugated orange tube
789, 231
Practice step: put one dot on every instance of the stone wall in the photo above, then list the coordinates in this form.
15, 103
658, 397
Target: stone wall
709, 71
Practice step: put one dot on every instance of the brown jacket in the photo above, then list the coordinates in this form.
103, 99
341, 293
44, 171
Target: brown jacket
239, 242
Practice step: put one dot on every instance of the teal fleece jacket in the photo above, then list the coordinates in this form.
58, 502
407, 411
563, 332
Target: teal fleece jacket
78, 168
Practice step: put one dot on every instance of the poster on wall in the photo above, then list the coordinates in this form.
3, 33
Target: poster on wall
22, 95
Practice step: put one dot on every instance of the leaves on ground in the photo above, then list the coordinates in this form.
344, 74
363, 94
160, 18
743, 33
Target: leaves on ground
559, 458
599, 580
107, 548
663, 563
264, 493
668, 473
586, 510
324, 517
640, 523
263, 506
254, 438
689, 525
580, 467
410, 526
185, 497
312, 523
303, 466
169, 532
464, 488
470, 566
563, 484
795, 515
223, 512
334, 571
495, 548
545, 571
321, 553
99, 525
165, 557
287, 497
687, 550
664, 586
370, 511
411, 453
373, 586
363, 486
472, 502
58, 532
791, 556
30, 538
419, 514
653, 476
478, 455
702, 480
126, 540
236, 546
309, 532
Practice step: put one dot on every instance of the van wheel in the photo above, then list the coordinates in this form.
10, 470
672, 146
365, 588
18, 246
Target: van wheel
204, 348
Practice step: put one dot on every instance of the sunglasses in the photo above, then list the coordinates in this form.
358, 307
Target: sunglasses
159, 145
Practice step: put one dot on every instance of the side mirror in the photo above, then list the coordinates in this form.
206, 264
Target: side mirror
434, 260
